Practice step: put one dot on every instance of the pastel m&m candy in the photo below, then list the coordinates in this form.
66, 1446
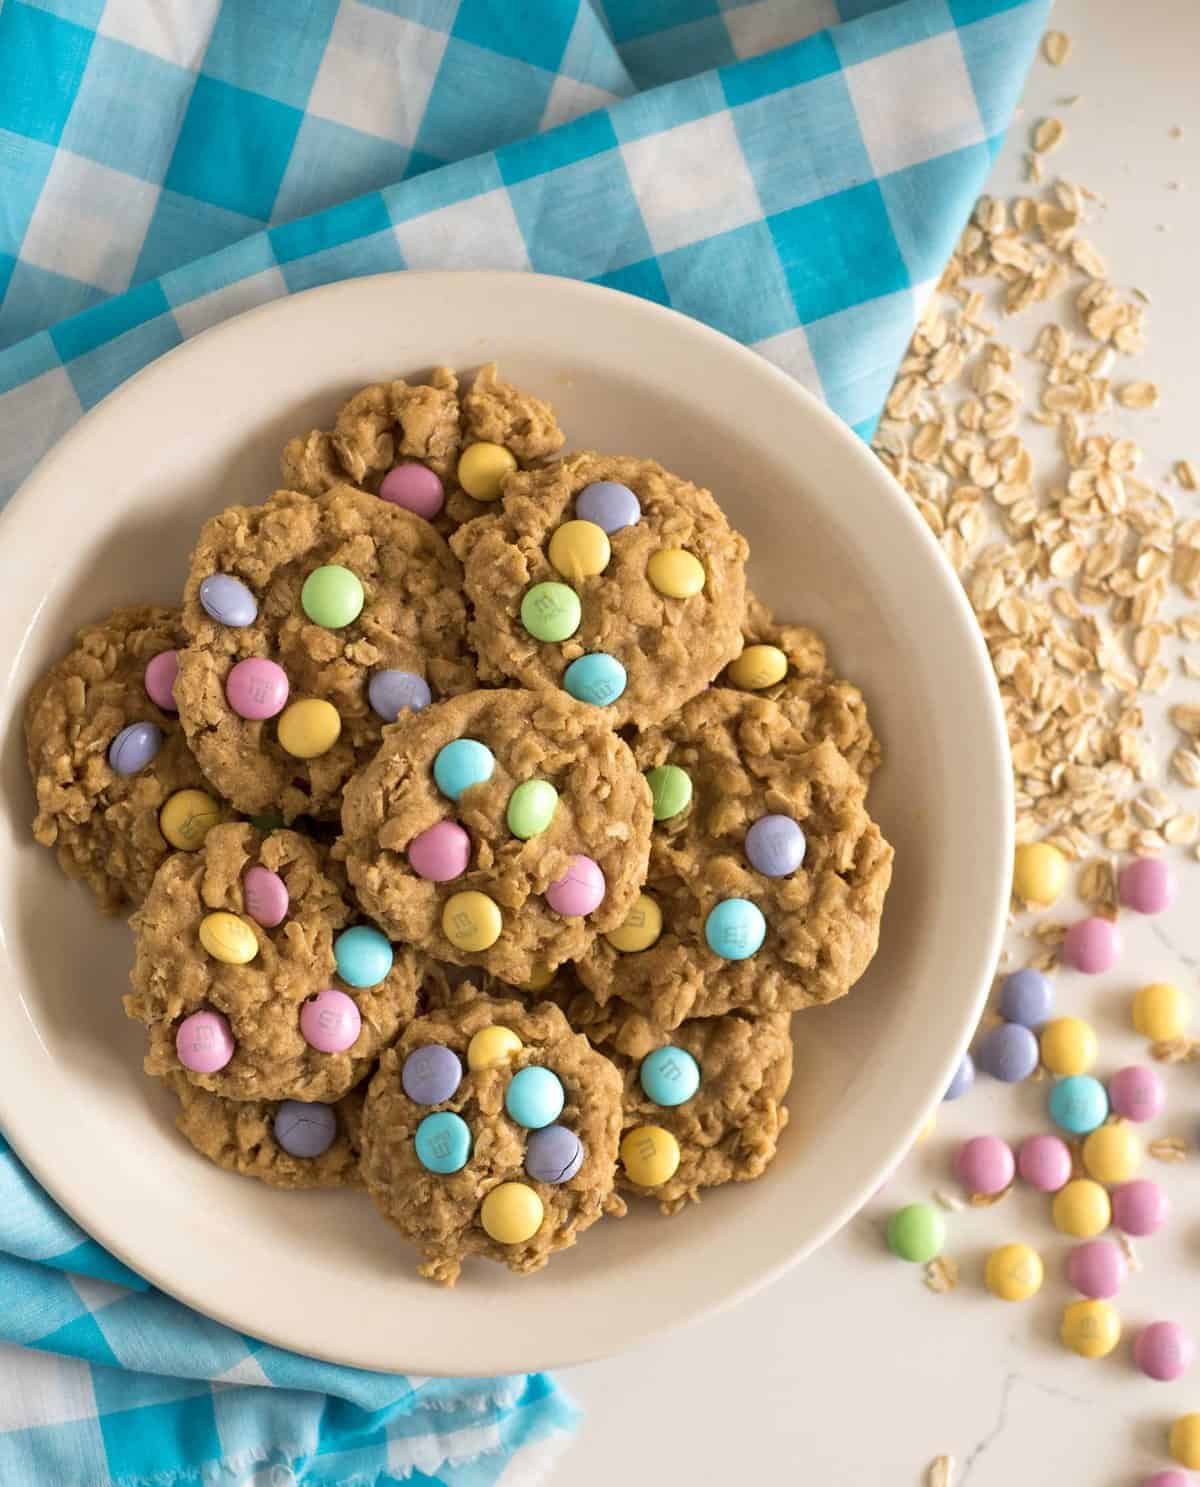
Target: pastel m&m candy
1039, 873
609, 504
1146, 885
775, 846
430, 1075
551, 612
579, 550
204, 1042
187, 817
1111, 1153
1166, 1479
597, 678
1163, 1351
265, 896
1097, 1269
676, 573
650, 1156
1014, 1272
471, 921
1090, 1328
1092, 945
440, 853
962, 1079
640, 928
309, 728
735, 929
1081, 1209
134, 748
256, 688
391, 692
531, 808
364, 955
511, 1213
161, 671
916, 1233
228, 939
415, 488
670, 790
534, 1097
1185, 1441
758, 666
443, 1142
1160, 1011
1136, 1093
330, 1022
228, 601
1045, 1163
1140, 1208
1008, 1052
1078, 1104
554, 1154
1026, 997
985, 1165
482, 468
580, 890
492, 1047
460, 764
304, 1129
332, 596
1069, 1046
669, 1076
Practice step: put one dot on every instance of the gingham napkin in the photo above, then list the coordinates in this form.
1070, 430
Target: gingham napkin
794, 172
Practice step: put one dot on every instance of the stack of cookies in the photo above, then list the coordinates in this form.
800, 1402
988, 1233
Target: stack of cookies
481, 831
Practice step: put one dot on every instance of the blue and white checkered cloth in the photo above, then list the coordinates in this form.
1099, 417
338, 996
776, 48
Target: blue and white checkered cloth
793, 172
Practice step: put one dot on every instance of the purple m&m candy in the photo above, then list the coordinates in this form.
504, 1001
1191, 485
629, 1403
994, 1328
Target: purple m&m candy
265, 896
257, 688
440, 853
228, 601
431, 1074
1163, 1351
1008, 1052
204, 1042
1026, 997
161, 672
415, 487
985, 1165
1136, 1093
609, 504
1045, 1163
330, 1021
134, 747
305, 1129
392, 692
1140, 1207
963, 1079
1147, 884
554, 1154
1092, 945
580, 890
775, 846
1097, 1269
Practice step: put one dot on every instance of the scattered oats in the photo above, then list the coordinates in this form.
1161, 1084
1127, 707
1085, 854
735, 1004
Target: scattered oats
1084, 256
941, 1275
1168, 1149
1056, 47
1190, 667
1176, 1051
1186, 717
1175, 132
1132, 1259
989, 1200
1188, 475
1182, 830
1097, 883
1138, 395
1047, 135
1148, 843
951, 1202
1186, 765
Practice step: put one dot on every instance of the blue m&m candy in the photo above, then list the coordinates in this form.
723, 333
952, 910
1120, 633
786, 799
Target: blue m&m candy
363, 955
443, 1142
598, 678
609, 504
228, 601
134, 747
461, 764
735, 929
391, 692
534, 1097
669, 1076
1079, 1104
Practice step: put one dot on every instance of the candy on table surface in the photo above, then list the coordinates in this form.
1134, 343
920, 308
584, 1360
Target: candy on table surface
430, 1075
1090, 1328
1039, 873
1112, 1153
460, 764
134, 748
531, 808
415, 487
364, 955
554, 1154
650, 1155
670, 790
1078, 1104
640, 928
579, 550
1027, 997
669, 1076
441, 852
916, 1233
1045, 1163
1167, 1479
735, 929
511, 1213
204, 1042
534, 1097
962, 1079
228, 601
1184, 1442
1097, 1269
1136, 1093
471, 921
676, 573
227, 938
159, 681
1014, 1272
1140, 1208
1164, 1351
1008, 1052
330, 1022
775, 846
309, 728
551, 612
580, 890
391, 692
1092, 945
304, 1129
257, 688
985, 1165
757, 667
1069, 1046
597, 678
187, 817
265, 895
609, 504
1147, 885
443, 1142
492, 1047
1081, 1209
1161, 1011
482, 468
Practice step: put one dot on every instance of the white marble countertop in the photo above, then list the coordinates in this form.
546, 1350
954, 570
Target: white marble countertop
848, 1372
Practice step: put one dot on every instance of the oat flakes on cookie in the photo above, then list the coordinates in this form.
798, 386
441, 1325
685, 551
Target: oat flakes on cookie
107, 754
767, 876
609, 577
492, 1129
312, 622
252, 977
503, 829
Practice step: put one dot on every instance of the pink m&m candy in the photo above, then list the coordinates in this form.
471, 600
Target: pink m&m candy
1097, 1269
161, 671
257, 688
1140, 1207
330, 1021
1136, 1093
1092, 945
1147, 884
580, 890
985, 1165
1167, 1479
266, 896
1163, 1351
1045, 1163
414, 487
440, 853
204, 1042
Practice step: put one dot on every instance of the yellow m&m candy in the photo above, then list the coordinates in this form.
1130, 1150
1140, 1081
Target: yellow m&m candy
1039, 873
579, 549
471, 920
1111, 1153
482, 468
640, 928
492, 1047
1068, 1046
228, 938
1081, 1209
1160, 1011
1014, 1272
676, 573
511, 1213
650, 1156
757, 667
309, 728
187, 818
1184, 1443
1090, 1328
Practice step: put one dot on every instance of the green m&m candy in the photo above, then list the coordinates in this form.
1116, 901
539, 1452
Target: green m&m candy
332, 596
531, 808
551, 611
916, 1233
671, 790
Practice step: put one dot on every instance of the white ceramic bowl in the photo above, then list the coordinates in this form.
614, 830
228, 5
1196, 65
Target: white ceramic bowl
109, 517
